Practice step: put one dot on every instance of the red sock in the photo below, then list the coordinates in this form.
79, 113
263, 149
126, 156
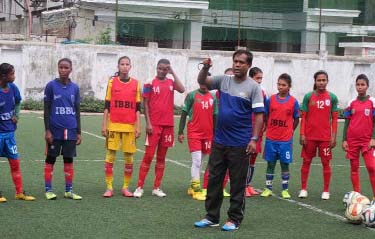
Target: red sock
326, 174
69, 175
108, 169
16, 174
205, 178
354, 174
305, 170
370, 165
145, 165
160, 165
226, 179
48, 173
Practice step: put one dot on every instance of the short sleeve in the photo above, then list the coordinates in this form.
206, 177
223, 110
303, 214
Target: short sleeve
305, 102
48, 92
267, 106
147, 89
78, 95
188, 102
138, 97
296, 109
216, 82
17, 94
348, 111
109, 90
335, 102
257, 99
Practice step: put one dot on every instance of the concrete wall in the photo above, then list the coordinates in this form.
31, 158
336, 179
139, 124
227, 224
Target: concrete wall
35, 65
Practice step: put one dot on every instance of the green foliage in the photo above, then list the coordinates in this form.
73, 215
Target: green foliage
177, 110
90, 104
104, 37
30, 104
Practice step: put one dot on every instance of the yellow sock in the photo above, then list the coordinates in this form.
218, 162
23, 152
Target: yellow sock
128, 169
109, 159
196, 185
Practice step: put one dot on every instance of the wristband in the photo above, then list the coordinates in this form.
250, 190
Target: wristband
255, 138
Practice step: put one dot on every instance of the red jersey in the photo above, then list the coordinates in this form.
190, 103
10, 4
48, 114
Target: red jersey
161, 101
319, 108
123, 101
361, 115
281, 114
201, 108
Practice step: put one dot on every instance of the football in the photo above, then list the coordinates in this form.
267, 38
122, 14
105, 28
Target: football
368, 217
353, 213
361, 199
347, 200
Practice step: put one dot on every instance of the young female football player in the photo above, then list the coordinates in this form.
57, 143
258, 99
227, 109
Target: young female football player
10, 100
359, 133
256, 74
62, 122
318, 131
121, 123
282, 114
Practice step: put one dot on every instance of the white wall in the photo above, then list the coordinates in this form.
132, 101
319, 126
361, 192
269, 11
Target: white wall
35, 65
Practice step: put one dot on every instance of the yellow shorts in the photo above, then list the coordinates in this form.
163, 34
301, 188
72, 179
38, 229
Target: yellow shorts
126, 139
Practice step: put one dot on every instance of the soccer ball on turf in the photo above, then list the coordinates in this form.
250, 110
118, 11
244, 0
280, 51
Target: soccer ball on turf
361, 199
368, 216
354, 213
347, 200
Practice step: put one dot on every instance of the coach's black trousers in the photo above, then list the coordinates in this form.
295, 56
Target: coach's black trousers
223, 158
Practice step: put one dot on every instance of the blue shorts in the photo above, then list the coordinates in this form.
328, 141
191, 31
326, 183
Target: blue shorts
8, 146
276, 150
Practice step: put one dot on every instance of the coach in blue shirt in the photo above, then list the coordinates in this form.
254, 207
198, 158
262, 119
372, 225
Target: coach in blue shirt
234, 138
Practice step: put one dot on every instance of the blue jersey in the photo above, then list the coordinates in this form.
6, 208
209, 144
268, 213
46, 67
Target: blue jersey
9, 97
238, 100
64, 100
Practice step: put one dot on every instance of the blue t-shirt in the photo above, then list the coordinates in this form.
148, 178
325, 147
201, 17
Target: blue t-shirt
237, 102
8, 99
64, 100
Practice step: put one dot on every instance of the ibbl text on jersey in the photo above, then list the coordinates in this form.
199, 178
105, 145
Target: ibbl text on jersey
124, 104
65, 111
7, 115
278, 123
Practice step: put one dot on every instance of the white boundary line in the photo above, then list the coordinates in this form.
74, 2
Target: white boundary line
307, 206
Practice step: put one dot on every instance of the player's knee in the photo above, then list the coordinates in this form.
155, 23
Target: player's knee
50, 159
110, 156
128, 158
68, 160
160, 165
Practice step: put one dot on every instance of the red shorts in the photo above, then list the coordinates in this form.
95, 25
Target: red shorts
163, 135
203, 145
354, 151
309, 149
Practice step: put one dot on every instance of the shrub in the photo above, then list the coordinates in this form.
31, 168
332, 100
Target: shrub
91, 104
30, 104
88, 104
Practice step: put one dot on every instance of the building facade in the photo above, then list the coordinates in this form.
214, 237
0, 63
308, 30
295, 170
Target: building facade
336, 27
